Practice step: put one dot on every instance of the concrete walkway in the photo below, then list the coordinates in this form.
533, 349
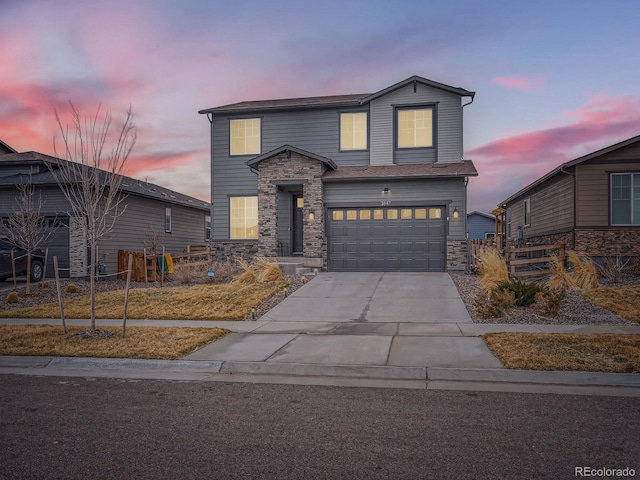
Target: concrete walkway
408, 330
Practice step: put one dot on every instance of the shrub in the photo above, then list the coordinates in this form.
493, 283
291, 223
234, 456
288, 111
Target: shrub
224, 272
493, 269
560, 279
43, 284
267, 270
524, 293
494, 304
585, 276
247, 275
549, 301
12, 297
190, 272
71, 288
612, 268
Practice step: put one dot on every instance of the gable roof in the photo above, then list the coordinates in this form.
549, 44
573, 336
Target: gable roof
571, 163
289, 148
129, 185
329, 101
464, 168
485, 215
4, 148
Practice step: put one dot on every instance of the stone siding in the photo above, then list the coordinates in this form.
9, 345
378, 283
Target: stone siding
552, 239
612, 242
226, 251
456, 255
288, 167
78, 249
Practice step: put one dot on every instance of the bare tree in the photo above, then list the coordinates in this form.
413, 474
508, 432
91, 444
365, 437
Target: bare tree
27, 229
91, 179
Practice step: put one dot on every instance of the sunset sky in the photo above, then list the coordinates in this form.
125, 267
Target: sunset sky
554, 79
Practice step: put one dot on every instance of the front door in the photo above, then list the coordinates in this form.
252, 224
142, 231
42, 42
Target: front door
297, 243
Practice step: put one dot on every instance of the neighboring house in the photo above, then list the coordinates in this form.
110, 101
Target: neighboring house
179, 220
351, 182
481, 225
592, 204
4, 148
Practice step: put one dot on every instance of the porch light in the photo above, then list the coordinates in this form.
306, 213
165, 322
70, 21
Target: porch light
386, 191
456, 214
312, 214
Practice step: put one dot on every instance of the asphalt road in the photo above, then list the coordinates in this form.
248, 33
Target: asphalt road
78, 428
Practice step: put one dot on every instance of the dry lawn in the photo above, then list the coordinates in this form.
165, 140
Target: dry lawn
623, 301
564, 351
195, 302
166, 343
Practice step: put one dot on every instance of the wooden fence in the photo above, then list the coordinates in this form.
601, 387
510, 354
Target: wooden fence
533, 261
138, 273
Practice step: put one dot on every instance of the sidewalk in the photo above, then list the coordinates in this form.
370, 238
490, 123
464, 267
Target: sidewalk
432, 356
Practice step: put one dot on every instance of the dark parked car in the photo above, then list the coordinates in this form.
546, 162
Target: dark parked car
37, 262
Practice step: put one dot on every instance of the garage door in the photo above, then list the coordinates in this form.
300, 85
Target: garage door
410, 239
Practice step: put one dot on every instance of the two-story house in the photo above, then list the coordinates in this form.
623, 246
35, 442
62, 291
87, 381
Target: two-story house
365, 182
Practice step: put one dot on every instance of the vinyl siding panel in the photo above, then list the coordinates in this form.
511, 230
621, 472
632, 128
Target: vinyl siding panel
317, 131
593, 184
143, 216
447, 119
478, 226
437, 192
551, 208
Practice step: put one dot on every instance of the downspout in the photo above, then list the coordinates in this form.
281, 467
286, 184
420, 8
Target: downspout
575, 204
210, 118
461, 125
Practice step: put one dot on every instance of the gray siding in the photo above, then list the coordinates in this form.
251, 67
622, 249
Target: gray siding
478, 226
449, 193
143, 215
447, 117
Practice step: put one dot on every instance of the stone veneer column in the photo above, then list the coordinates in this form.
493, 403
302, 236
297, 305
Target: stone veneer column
78, 261
290, 168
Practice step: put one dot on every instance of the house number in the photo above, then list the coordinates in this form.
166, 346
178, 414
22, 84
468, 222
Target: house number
385, 203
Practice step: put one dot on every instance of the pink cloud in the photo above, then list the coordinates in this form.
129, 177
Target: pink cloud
521, 83
511, 163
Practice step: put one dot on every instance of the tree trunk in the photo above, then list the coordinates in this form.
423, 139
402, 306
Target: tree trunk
92, 283
28, 290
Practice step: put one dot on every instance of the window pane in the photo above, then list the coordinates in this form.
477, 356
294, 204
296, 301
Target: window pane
365, 214
421, 213
415, 128
352, 214
621, 199
300, 202
244, 217
435, 213
353, 131
338, 215
406, 214
245, 136
378, 214
167, 219
392, 214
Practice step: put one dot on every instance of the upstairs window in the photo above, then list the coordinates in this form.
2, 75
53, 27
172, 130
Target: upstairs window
353, 131
244, 136
244, 217
167, 219
207, 227
415, 128
625, 199
526, 204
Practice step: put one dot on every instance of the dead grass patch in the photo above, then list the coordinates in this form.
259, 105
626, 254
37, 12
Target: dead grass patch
566, 351
623, 301
195, 302
493, 269
165, 343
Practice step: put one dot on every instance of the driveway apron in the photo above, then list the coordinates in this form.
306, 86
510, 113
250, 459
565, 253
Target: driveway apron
370, 319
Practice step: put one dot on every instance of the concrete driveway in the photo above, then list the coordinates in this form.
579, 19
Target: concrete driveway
374, 297
379, 320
